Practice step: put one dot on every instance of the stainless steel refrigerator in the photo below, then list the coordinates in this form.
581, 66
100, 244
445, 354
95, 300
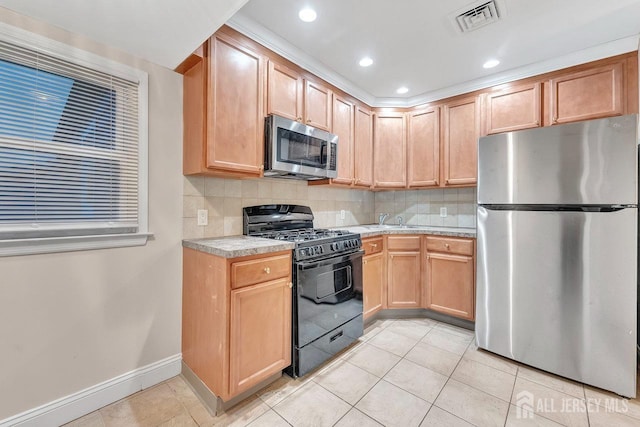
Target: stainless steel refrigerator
557, 249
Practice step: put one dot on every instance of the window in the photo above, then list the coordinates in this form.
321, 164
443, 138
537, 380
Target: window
72, 152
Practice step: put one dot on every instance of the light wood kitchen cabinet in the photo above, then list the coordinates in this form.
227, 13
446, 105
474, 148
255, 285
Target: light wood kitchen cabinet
374, 284
292, 96
588, 94
389, 150
343, 127
404, 282
224, 111
423, 147
461, 131
513, 108
317, 105
450, 271
285, 92
363, 147
236, 319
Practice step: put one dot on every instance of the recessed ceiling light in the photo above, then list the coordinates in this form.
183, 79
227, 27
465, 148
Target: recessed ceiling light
491, 63
307, 15
402, 90
365, 62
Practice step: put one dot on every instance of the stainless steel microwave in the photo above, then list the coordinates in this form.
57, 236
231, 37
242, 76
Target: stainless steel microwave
295, 150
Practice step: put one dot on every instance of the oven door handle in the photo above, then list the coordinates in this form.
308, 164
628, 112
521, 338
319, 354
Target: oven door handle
329, 261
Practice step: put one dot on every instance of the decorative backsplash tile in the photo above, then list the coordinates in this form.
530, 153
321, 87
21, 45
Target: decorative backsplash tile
225, 198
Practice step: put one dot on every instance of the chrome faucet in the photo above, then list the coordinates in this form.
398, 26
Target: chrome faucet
382, 217
399, 219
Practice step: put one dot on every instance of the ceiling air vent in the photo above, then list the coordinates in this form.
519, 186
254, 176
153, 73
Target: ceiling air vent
479, 15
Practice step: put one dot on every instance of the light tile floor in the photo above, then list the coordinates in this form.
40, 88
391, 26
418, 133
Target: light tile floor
414, 372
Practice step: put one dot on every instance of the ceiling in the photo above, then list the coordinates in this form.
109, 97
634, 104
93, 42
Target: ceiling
161, 31
413, 43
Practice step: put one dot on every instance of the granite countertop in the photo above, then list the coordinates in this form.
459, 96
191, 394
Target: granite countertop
237, 246
373, 230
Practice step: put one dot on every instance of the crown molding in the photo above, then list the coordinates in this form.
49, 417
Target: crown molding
270, 40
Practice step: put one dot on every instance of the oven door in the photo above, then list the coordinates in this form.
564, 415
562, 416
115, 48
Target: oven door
328, 295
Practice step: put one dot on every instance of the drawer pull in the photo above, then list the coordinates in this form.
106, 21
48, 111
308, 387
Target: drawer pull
336, 336
290, 285
446, 245
267, 270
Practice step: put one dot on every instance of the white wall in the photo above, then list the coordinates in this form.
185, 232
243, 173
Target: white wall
72, 320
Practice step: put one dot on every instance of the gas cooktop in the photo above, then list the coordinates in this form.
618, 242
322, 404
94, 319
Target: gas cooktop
302, 235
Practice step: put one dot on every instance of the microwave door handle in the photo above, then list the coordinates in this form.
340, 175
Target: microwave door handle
323, 153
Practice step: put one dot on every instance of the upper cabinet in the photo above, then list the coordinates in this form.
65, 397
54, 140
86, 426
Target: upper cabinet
514, 108
343, 127
291, 95
589, 94
317, 105
363, 147
389, 150
461, 131
284, 95
423, 147
224, 111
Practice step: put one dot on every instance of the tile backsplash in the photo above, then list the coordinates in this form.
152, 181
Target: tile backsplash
225, 198
422, 207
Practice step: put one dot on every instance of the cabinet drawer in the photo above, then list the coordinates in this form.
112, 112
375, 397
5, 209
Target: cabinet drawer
448, 244
244, 273
372, 246
403, 243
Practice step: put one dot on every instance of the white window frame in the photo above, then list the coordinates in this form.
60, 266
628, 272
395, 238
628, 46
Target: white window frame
72, 54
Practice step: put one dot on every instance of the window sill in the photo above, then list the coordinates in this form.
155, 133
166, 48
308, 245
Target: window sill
73, 243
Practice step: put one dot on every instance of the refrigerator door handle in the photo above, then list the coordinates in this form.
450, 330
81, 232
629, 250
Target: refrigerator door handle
558, 208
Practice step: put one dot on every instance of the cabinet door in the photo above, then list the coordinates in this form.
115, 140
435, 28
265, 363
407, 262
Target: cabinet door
587, 95
373, 281
259, 333
423, 147
363, 147
513, 109
343, 127
317, 105
403, 282
389, 139
235, 118
450, 284
460, 141
284, 94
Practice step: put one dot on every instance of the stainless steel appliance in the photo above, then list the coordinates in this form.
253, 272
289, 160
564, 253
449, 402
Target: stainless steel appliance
294, 150
327, 274
557, 250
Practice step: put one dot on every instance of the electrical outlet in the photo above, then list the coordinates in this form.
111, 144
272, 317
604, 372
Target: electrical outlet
203, 217
443, 212
343, 214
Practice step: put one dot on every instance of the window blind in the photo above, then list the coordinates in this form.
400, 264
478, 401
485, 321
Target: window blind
68, 148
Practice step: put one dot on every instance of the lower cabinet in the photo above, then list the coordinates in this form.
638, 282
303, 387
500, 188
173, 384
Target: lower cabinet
373, 278
260, 333
395, 275
236, 319
403, 279
450, 280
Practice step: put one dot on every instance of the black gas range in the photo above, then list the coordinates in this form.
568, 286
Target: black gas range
327, 273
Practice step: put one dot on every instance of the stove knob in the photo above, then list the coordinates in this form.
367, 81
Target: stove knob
332, 246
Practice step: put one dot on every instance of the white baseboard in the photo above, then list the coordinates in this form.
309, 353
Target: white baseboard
75, 405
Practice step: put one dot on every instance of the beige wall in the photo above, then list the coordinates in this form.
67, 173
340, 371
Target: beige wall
72, 320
